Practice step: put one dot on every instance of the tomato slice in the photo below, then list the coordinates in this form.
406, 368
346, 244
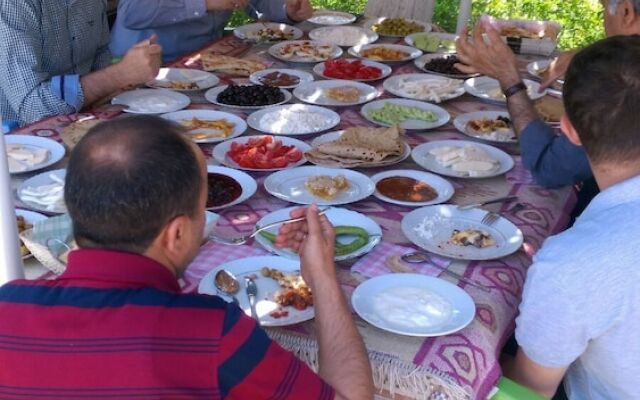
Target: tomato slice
246, 162
293, 155
279, 162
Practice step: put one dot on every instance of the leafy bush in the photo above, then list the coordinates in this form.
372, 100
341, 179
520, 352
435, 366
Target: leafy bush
581, 19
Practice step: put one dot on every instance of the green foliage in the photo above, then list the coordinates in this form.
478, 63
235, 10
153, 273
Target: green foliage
581, 19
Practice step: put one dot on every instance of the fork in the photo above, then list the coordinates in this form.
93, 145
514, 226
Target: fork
259, 15
244, 239
491, 217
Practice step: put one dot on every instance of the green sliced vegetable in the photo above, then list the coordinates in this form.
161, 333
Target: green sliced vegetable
393, 113
341, 249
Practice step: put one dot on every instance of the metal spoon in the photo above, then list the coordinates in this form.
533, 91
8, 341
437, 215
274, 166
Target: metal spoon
419, 257
227, 283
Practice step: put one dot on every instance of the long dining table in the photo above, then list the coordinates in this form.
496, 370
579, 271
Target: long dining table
462, 365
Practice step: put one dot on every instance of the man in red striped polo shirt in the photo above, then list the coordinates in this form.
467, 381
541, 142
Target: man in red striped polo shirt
115, 324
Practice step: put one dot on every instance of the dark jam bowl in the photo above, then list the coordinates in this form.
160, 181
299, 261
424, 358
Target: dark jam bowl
222, 189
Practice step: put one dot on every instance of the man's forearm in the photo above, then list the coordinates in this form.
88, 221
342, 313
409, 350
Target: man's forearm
521, 110
102, 83
343, 359
520, 106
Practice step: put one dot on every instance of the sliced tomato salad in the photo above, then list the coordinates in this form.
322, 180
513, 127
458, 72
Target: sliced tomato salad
345, 69
263, 152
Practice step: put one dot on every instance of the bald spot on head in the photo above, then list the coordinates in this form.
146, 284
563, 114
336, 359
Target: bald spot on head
128, 177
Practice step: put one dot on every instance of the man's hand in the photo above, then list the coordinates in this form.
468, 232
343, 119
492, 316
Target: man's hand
487, 55
226, 5
313, 239
141, 63
557, 69
299, 10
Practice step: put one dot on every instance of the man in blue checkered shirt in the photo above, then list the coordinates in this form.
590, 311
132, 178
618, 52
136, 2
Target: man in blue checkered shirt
55, 59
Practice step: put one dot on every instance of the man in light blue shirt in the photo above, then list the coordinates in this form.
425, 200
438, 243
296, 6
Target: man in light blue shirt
54, 58
184, 26
580, 312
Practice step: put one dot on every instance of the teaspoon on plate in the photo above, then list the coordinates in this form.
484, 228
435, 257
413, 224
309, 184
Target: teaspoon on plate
419, 257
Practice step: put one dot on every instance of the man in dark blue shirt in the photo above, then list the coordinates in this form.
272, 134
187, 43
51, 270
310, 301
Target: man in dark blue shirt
551, 158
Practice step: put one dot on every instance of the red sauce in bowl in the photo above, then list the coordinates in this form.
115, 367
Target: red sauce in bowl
407, 189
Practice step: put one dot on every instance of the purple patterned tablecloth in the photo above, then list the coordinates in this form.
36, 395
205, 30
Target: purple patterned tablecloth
460, 365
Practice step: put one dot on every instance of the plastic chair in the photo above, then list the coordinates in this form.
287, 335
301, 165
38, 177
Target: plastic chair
421, 10
509, 390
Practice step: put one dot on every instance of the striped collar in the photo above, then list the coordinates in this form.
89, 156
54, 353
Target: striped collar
127, 269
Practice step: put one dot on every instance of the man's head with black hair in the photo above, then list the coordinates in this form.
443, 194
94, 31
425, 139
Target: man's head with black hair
131, 179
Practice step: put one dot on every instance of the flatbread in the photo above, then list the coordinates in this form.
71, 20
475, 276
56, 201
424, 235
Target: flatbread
361, 147
229, 65
550, 109
71, 134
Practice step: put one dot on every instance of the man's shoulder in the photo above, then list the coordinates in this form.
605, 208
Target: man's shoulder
608, 241
55, 292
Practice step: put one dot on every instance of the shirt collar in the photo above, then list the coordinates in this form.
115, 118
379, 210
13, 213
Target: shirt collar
120, 267
623, 192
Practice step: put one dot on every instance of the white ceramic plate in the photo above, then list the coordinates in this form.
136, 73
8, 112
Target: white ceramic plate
427, 161
212, 96
412, 124
488, 89
151, 101
31, 218
289, 185
534, 68
431, 228
392, 85
275, 51
267, 287
444, 189
344, 36
326, 17
169, 78
41, 180
385, 70
369, 25
337, 217
211, 220
304, 77
55, 149
249, 31
462, 120
280, 121
370, 306
220, 152
209, 115
316, 92
248, 184
423, 60
410, 40
333, 136
411, 52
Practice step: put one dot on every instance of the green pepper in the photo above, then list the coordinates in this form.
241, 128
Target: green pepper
362, 238
268, 235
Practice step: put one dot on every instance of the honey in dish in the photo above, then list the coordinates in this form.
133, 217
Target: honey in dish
403, 188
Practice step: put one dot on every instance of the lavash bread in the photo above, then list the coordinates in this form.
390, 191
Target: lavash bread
229, 65
72, 133
360, 146
550, 109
